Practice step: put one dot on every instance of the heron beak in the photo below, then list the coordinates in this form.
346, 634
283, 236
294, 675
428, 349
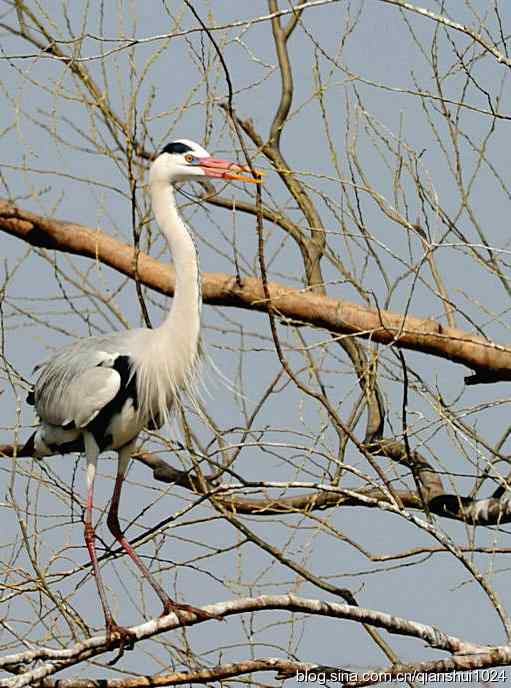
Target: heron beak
223, 169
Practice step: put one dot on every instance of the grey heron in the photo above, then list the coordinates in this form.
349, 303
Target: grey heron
100, 392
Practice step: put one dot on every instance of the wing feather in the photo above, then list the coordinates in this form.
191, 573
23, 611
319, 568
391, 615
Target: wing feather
89, 393
75, 386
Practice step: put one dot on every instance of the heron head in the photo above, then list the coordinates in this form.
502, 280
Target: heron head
184, 160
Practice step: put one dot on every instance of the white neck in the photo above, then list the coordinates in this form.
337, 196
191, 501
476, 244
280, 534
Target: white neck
179, 332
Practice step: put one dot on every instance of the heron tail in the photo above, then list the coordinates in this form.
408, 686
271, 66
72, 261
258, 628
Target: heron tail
28, 449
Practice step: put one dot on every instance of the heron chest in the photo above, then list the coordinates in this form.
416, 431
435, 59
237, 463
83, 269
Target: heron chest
119, 421
123, 427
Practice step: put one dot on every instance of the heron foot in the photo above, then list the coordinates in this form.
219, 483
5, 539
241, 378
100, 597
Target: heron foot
121, 636
170, 607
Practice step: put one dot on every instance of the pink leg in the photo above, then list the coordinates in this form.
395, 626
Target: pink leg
115, 528
92, 452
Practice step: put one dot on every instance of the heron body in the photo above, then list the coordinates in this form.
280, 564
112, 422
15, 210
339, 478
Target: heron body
99, 393
91, 386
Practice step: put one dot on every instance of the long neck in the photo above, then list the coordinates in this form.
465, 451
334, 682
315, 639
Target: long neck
180, 329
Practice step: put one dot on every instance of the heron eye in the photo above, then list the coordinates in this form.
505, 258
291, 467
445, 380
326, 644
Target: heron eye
189, 157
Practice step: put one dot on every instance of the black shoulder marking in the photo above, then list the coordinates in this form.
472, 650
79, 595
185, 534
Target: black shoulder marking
176, 147
68, 447
128, 390
123, 365
31, 398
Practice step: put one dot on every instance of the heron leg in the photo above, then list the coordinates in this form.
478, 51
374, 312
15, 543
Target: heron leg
113, 523
112, 629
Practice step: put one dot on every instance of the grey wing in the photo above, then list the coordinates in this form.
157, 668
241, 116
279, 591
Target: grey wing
74, 387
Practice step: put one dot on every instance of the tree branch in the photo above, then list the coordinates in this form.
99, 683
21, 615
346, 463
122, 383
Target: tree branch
340, 317
49, 661
476, 512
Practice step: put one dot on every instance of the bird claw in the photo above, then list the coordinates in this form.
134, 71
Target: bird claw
171, 607
116, 634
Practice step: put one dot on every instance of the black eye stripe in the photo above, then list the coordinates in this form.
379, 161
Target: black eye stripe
177, 147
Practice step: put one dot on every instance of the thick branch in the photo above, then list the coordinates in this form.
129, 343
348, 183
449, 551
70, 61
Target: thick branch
430, 482
311, 673
283, 667
49, 661
477, 512
340, 317
416, 671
